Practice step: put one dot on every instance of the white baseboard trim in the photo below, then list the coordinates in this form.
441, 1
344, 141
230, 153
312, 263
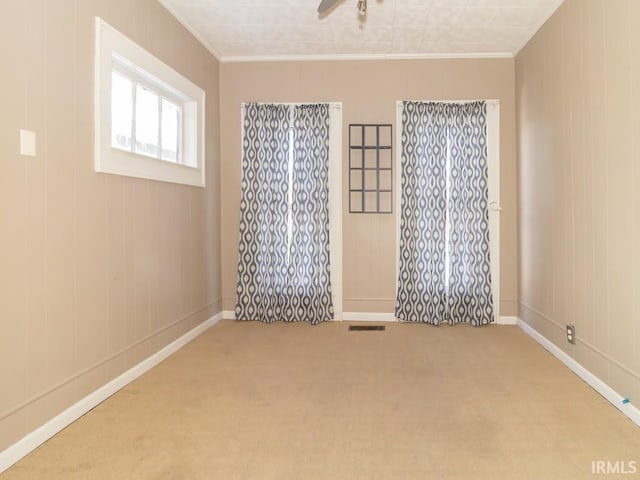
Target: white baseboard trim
390, 317
368, 317
346, 316
36, 438
507, 321
375, 317
596, 383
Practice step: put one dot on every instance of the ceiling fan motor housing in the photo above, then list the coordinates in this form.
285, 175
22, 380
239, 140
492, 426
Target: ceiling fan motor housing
362, 7
327, 4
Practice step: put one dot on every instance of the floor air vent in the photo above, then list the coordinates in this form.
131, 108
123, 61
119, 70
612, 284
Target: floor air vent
365, 328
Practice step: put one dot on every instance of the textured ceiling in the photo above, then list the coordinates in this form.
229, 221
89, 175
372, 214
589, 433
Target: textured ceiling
248, 29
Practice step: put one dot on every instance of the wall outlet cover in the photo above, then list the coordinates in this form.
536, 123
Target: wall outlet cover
27, 143
571, 334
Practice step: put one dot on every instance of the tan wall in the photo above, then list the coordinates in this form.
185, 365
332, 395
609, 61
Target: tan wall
369, 91
578, 93
97, 271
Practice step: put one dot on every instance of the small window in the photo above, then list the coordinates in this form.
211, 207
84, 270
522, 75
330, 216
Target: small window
149, 119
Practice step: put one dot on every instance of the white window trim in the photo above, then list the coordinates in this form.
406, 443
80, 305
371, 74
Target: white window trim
335, 198
108, 41
493, 166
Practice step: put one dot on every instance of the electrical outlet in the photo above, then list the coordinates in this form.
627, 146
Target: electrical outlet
571, 334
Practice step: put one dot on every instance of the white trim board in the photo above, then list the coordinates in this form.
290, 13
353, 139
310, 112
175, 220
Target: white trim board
363, 56
335, 206
346, 316
37, 437
596, 383
390, 317
368, 317
376, 317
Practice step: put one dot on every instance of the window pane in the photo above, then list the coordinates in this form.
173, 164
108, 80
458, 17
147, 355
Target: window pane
371, 158
385, 202
385, 180
147, 122
370, 202
170, 127
371, 180
121, 111
356, 202
385, 158
385, 135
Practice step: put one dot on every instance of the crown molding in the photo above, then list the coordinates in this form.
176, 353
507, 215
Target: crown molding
373, 56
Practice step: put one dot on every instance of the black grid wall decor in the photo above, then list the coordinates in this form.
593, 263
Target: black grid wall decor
370, 168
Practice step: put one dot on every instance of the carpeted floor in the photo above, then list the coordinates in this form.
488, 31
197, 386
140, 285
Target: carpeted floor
296, 402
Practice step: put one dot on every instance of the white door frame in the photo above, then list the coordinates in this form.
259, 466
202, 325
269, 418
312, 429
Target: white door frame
493, 165
335, 208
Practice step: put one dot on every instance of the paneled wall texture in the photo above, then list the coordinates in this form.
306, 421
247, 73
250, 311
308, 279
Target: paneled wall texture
578, 98
97, 271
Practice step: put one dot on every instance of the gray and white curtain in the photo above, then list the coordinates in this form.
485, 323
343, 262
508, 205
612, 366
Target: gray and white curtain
283, 264
444, 272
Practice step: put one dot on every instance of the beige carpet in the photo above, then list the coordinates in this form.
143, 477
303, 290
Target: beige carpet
292, 401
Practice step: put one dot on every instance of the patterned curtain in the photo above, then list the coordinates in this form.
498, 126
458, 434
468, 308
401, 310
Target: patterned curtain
444, 273
469, 292
421, 295
283, 265
309, 263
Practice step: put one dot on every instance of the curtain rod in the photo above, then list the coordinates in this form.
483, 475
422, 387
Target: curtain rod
331, 104
488, 102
